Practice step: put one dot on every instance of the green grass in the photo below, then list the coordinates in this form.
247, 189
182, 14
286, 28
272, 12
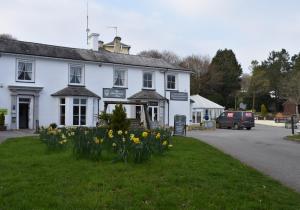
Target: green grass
192, 175
294, 137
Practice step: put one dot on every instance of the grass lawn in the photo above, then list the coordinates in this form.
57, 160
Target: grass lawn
193, 175
294, 137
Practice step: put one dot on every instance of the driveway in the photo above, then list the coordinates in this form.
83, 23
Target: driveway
13, 134
262, 148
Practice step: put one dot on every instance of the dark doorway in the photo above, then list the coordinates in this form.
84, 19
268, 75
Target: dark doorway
23, 116
138, 112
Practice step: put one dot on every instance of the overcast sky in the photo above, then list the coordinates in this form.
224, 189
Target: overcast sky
251, 28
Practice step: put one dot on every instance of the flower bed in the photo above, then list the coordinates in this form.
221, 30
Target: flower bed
134, 145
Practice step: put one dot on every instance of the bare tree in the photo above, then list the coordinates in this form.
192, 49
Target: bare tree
166, 55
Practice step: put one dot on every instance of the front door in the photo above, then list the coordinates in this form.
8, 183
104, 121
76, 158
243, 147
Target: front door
23, 115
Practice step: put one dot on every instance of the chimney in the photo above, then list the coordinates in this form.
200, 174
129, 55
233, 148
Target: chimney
93, 41
117, 44
100, 45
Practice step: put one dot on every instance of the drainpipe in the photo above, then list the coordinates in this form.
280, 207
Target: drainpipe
165, 94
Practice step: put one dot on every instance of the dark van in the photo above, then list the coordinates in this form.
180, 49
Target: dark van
236, 120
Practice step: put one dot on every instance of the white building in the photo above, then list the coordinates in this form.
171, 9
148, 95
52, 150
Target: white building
42, 84
202, 108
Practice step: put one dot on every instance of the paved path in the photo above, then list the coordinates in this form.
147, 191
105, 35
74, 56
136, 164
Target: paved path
13, 134
262, 147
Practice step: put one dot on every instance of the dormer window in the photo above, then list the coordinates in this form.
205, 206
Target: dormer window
25, 71
76, 73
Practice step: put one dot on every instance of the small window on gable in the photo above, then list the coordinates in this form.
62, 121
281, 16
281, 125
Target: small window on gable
76, 74
120, 77
171, 82
25, 71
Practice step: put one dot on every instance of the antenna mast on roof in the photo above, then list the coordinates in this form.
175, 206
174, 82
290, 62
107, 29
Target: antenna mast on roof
114, 27
87, 22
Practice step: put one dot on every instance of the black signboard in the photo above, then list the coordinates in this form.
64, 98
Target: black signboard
179, 96
114, 93
179, 125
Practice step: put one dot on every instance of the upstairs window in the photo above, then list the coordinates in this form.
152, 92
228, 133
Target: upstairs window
148, 80
25, 72
171, 82
120, 78
76, 75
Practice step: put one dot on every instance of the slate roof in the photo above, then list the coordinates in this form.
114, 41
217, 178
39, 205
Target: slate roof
76, 91
147, 94
103, 56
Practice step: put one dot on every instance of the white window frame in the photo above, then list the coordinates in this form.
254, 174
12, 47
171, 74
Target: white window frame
176, 81
82, 74
79, 111
125, 77
60, 113
18, 60
153, 80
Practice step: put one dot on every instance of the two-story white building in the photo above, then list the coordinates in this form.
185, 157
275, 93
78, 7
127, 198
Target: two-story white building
42, 84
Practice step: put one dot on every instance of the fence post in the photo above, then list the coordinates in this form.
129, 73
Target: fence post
292, 122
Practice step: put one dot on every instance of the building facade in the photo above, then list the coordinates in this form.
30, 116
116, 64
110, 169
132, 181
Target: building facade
42, 84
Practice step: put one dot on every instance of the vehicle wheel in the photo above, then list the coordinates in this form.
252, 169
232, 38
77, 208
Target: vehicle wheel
249, 128
236, 127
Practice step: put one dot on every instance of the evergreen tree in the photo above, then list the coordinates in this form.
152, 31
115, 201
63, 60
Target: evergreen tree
118, 119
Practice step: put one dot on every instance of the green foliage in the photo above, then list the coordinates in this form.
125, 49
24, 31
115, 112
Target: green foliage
2, 119
104, 119
55, 139
137, 145
226, 72
263, 110
118, 119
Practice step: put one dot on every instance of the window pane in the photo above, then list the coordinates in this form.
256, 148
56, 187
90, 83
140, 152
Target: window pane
82, 120
83, 101
75, 120
119, 78
75, 110
24, 71
75, 101
83, 110
62, 101
62, 120
75, 74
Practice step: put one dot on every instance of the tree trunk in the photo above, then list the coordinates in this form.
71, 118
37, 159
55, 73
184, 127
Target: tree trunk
253, 102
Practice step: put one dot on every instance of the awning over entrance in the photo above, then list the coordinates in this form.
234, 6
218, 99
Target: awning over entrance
147, 95
76, 91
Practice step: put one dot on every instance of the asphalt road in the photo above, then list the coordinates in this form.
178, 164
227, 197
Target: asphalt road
262, 147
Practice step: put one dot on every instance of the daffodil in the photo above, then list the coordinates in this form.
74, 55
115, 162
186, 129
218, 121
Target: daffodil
170, 145
144, 134
120, 132
96, 140
131, 136
64, 141
136, 140
63, 136
164, 143
126, 132
114, 144
157, 136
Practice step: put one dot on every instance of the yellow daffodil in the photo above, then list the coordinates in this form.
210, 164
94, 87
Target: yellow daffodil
157, 136
131, 136
63, 136
64, 141
170, 145
114, 144
126, 132
144, 134
96, 140
136, 140
164, 143
120, 132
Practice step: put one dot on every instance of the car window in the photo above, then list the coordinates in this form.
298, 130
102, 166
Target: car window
230, 114
248, 114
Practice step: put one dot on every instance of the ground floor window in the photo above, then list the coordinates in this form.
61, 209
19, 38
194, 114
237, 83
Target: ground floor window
196, 117
62, 109
79, 111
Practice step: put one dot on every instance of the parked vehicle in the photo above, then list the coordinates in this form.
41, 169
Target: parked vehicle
236, 120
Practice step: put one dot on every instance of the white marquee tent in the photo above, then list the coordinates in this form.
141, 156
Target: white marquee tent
202, 107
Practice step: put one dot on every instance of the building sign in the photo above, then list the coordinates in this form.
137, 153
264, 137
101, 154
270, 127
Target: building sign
4, 111
179, 125
114, 93
179, 96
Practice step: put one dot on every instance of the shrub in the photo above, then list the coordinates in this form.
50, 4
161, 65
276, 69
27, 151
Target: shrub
2, 119
119, 120
263, 110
